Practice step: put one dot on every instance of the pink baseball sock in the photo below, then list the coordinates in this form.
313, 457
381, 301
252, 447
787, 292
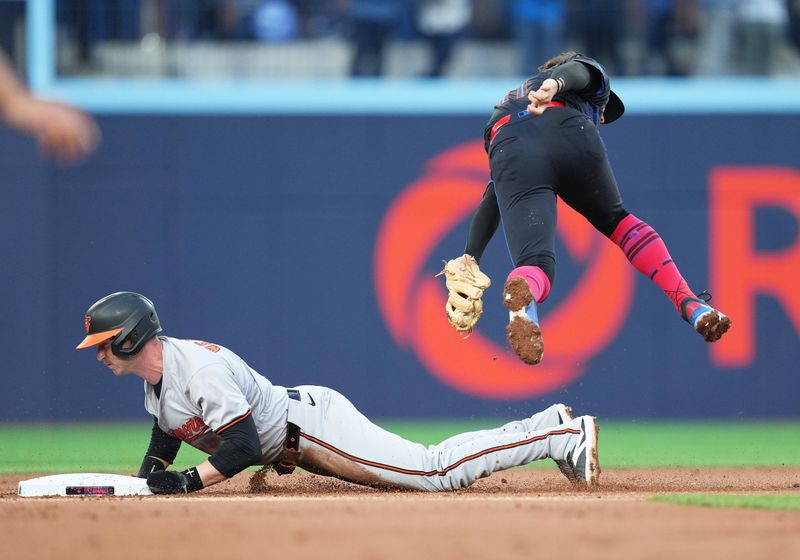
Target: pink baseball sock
537, 280
646, 251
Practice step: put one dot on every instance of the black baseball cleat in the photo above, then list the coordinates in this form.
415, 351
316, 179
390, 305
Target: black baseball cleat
584, 458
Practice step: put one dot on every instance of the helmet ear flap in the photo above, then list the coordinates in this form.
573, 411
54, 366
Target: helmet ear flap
116, 346
147, 327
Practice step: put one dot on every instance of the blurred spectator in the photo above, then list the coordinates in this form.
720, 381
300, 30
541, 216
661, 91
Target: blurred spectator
322, 18
539, 31
275, 21
373, 22
180, 19
113, 19
716, 36
762, 25
673, 27
231, 20
442, 23
656, 37
11, 18
489, 20
793, 8
600, 27
90, 21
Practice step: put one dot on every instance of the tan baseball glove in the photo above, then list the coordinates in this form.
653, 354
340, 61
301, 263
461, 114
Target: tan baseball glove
465, 284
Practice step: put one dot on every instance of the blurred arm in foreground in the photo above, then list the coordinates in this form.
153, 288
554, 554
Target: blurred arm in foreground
63, 133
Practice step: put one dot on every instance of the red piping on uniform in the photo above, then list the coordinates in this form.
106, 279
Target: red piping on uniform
497, 126
447, 469
502, 122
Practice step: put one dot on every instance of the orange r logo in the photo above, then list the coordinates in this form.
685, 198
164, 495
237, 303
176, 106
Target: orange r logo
740, 271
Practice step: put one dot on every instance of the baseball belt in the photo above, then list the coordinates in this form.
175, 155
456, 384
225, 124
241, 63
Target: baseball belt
291, 446
518, 116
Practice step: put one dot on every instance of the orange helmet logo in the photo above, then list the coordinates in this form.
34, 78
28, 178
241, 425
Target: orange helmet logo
88, 321
412, 301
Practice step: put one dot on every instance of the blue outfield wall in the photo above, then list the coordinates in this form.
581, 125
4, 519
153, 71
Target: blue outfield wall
308, 245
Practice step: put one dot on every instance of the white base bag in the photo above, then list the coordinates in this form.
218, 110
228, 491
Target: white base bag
84, 484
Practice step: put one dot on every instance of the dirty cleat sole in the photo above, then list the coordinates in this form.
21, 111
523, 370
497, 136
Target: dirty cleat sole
706, 320
586, 459
712, 325
524, 336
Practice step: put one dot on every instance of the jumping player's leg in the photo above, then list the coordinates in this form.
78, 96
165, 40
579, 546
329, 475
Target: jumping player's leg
529, 282
592, 190
529, 222
648, 253
338, 440
521, 166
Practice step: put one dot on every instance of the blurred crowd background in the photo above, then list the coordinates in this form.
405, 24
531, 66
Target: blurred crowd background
418, 38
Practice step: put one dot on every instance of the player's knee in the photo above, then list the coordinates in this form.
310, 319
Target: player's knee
608, 224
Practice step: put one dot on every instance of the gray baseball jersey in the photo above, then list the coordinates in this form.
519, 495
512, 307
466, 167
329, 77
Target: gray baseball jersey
206, 389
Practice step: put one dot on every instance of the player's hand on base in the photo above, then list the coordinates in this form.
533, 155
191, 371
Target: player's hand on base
541, 98
174, 482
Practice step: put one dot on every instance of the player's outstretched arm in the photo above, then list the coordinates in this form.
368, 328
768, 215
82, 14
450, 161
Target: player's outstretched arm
240, 449
160, 453
484, 224
183, 482
63, 132
464, 280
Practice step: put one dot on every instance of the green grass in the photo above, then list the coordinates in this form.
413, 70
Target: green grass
73, 447
750, 501
119, 447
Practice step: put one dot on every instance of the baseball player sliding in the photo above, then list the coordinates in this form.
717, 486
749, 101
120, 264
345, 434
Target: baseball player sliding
207, 396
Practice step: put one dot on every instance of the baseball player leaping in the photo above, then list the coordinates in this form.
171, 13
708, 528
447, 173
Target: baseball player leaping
543, 142
207, 396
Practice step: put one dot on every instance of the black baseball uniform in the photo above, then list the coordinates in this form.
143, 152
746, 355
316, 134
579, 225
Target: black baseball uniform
533, 159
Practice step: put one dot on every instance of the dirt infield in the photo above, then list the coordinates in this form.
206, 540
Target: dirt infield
522, 513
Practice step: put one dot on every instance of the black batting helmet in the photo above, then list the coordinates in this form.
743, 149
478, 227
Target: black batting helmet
125, 316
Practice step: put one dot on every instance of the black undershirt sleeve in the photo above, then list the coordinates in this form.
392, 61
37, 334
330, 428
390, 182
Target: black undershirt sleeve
240, 448
162, 446
484, 224
575, 76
